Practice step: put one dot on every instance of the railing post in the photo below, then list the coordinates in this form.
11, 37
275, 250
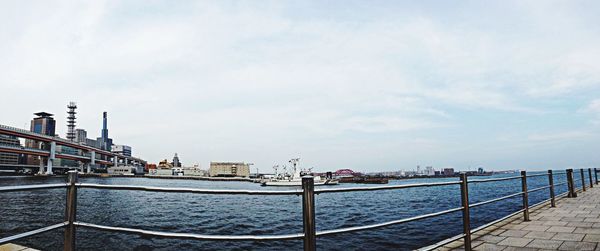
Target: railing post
590, 174
582, 179
570, 184
70, 212
464, 199
596, 175
551, 184
525, 196
308, 213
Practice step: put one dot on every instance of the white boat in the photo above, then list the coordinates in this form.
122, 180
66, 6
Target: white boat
295, 179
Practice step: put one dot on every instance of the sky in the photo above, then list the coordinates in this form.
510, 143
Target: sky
365, 85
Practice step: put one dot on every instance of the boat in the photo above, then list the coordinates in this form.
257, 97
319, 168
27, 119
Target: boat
364, 180
295, 178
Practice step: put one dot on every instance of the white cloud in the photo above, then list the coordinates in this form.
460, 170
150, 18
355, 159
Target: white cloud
212, 80
561, 136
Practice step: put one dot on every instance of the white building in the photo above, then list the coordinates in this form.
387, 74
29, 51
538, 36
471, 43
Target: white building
429, 171
121, 149
126, 170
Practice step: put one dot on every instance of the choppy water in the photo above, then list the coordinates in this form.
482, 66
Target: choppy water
255, 215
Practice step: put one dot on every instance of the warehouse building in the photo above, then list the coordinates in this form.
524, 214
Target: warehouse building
229, 169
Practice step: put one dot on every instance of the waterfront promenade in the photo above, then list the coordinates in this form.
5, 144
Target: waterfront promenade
574, 224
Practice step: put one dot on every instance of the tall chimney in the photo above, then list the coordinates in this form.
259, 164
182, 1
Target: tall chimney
104, 129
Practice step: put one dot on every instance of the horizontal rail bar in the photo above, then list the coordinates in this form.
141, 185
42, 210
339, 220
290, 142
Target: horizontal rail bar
355, 189
536, 175
192, 236
31, 187
537, 189
32, 232
496, 179
188, 190
496, 199
385, 224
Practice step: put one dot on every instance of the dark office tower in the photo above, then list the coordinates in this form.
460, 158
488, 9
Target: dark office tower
42, 124
71, 121
104, 129
105, 141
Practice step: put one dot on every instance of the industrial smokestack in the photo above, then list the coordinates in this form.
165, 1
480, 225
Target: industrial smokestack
104, 127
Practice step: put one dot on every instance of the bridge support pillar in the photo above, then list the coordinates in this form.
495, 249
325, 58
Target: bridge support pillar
51, 157
116, 160
41, 171
92, 161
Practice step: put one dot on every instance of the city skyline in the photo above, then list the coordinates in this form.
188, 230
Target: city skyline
339, 84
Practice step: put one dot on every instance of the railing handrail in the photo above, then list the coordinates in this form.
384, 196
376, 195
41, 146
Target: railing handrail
495, 199
32, 232
373, 188
385, 224
190, 190
191, 235
494, 179
31, 187
71, 223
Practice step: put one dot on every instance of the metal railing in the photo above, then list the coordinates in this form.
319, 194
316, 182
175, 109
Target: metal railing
308, 193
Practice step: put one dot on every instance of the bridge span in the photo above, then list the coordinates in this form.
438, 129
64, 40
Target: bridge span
90, 155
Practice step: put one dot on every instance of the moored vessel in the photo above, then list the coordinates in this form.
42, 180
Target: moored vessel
295, 178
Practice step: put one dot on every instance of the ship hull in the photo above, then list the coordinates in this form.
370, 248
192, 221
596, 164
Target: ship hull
286, 183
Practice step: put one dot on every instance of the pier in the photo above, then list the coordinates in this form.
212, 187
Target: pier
573, 223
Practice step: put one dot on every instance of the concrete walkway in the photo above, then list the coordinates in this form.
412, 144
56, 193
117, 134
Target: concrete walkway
15, 247
574, 224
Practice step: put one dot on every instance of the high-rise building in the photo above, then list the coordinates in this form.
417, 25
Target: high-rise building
9, 158
122, 149
104, 140
80, 135
176, 162
42, 124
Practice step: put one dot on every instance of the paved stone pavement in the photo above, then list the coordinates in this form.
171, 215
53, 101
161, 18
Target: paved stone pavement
574, 224
15, 247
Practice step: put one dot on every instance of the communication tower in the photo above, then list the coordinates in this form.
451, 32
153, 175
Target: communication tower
71, 121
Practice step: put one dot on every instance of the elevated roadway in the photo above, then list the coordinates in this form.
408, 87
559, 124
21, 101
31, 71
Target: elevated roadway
91, 155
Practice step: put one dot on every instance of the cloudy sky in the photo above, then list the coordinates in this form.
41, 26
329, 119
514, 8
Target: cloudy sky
366, 85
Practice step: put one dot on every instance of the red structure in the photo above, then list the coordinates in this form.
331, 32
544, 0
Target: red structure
150, 166
345, 172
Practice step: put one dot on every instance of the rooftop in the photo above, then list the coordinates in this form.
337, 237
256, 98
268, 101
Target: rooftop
43, 114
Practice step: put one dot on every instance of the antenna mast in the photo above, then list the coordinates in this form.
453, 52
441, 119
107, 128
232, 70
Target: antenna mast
71, 121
